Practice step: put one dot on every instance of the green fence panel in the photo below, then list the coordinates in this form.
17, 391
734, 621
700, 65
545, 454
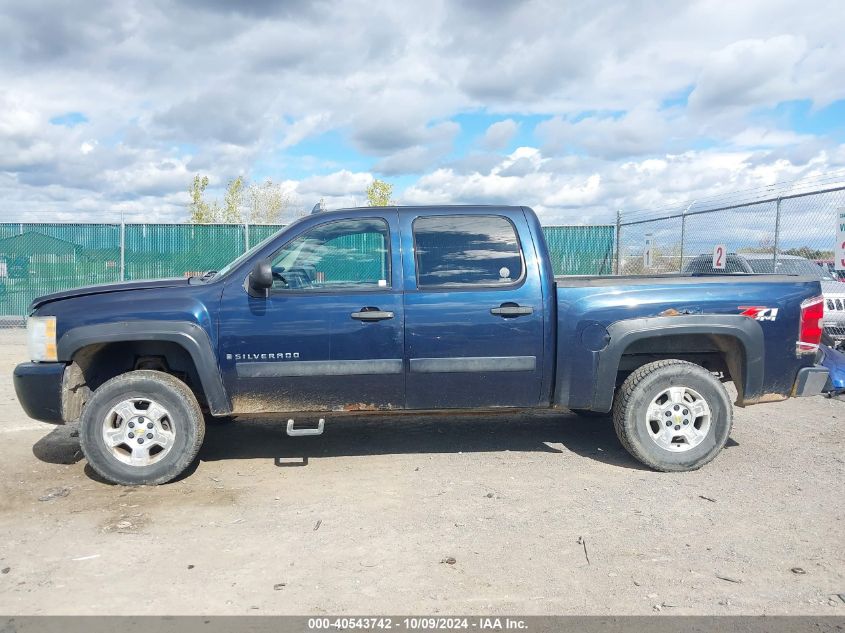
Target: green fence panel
355, 258
155, 251
260, 232
580, 250
37, 259
361, 257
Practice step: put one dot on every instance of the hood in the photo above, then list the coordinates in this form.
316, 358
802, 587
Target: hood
106, 288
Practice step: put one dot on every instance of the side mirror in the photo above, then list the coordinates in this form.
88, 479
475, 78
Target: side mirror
260, 279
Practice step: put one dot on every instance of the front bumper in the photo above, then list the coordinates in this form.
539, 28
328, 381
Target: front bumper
39, 390
811, 381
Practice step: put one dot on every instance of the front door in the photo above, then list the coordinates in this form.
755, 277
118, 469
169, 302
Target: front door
473, 313
329, 335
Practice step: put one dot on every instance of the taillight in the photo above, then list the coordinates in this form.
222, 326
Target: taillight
810, 333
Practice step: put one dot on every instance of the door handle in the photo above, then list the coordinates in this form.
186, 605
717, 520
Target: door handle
372, 314
510, 310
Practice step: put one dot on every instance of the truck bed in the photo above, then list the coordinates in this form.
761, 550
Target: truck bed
591, 309
595, 281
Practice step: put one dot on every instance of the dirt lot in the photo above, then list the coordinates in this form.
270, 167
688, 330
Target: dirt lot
429, 515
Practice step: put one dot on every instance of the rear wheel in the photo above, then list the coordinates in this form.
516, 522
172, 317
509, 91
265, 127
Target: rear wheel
672, 415
141, 428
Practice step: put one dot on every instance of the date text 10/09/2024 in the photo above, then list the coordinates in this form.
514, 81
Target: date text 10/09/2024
418, 623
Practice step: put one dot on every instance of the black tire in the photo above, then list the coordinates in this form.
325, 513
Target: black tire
642, 387
185, 418
587, 413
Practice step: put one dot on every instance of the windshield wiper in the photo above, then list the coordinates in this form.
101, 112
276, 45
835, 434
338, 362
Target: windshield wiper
208, 275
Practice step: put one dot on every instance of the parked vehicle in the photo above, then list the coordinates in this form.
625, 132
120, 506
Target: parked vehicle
829, 267
834, 361
833, 290
391, 309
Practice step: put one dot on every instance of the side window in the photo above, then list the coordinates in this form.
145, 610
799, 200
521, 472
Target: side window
348, 254
466, 250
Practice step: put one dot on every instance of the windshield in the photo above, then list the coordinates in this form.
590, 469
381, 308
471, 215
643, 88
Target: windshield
802, 267
225, 270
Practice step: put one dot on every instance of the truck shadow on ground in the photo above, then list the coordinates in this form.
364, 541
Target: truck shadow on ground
265, 438
441, 433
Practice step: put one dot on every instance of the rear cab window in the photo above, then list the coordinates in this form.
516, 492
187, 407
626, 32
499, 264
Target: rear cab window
467, 251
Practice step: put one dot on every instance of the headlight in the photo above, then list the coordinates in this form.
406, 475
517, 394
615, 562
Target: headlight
41, 338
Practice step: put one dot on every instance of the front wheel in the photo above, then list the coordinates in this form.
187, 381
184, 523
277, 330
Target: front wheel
672, 415
141, 428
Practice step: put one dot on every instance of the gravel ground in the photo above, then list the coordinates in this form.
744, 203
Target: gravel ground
527, 514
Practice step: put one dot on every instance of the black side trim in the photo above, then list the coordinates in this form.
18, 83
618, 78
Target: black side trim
474, 364
189, 335
320, 368
622, 333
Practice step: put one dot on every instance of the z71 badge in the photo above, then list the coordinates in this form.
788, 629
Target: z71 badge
760, 313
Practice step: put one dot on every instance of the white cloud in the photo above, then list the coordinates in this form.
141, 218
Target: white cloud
768, 137
432, 144
538, 184
750, 72
643, 130
499, 134
174, 88
301, 129
583, 190
338, 184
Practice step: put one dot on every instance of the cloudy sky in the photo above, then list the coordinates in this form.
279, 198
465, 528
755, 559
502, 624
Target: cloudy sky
574, 108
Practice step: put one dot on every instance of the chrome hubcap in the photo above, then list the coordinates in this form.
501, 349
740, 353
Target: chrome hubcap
138, 431
678, 419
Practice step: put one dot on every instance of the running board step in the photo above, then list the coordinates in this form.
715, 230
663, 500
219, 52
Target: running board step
294, 432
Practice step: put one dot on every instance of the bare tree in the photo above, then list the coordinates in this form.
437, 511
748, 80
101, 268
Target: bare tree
269, 203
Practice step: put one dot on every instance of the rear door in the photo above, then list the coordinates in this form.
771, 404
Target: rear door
473, 309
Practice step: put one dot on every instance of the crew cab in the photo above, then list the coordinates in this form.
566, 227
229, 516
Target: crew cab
401, 310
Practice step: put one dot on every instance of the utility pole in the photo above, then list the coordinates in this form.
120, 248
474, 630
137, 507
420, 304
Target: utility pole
683, 232
618, 235
777, 236
122, 247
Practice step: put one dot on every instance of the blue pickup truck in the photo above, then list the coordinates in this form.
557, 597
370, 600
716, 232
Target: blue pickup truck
386, 309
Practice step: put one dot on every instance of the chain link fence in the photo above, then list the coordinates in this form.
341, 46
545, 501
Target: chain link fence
40, 258
774, 230
788, 234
